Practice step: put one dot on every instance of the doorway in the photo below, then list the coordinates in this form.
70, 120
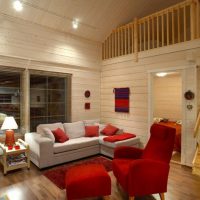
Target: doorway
166, 90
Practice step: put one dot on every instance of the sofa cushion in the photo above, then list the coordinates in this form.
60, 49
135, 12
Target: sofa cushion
128, 142
76, 143
75, 129
109, 130
52, 127
91, 122
60, 135
91, 131
48, 133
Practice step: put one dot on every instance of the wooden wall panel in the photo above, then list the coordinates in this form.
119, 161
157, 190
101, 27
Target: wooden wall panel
167, 94
124, 72
21, 39
31, 46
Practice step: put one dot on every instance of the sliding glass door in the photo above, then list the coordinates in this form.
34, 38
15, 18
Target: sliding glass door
49, 99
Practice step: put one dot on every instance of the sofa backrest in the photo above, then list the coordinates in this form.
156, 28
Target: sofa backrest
52, 127
75, 129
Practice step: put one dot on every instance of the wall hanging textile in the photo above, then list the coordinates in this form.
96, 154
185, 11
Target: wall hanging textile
121, 99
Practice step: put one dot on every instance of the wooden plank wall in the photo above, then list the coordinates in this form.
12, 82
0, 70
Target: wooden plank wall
167, 93
125, 72
31, 46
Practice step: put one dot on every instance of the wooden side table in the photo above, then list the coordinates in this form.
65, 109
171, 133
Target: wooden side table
6, 156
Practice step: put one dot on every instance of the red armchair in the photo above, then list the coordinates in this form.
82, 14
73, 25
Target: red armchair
145, 171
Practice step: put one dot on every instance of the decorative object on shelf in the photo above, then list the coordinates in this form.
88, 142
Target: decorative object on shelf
87, 93
9, 124
189, 95
87, 106
121, 99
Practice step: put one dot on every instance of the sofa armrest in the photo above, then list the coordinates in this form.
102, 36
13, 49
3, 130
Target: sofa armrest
41, 148
127, 152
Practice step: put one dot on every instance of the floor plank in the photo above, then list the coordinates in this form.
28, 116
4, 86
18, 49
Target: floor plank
30, 184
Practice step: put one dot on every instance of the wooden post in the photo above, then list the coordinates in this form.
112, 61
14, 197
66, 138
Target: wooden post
125, 40
157, 31
115, 43
144, 31
118, 42
179, 29
112, 45
26, 101
184, 23
102, 51
122, 42
140, 25
167, 27
173, 27
163, 34
132, 27
192, 21
136, 39
197, 18
148, 23
129, 39
106, 44
153, 34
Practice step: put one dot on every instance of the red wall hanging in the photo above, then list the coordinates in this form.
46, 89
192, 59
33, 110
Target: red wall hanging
121, 99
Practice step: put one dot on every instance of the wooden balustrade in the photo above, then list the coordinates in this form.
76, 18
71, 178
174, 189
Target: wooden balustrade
178, 23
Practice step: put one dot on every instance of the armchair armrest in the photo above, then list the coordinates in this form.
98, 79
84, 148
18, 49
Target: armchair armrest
127, 152
147, 177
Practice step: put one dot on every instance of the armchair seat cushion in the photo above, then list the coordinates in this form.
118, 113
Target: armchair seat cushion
75, 143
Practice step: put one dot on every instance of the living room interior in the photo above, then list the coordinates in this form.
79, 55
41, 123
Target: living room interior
64, 63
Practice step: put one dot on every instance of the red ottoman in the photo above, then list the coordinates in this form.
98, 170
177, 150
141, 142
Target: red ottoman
89, 180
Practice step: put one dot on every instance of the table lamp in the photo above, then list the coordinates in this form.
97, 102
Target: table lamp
9, 124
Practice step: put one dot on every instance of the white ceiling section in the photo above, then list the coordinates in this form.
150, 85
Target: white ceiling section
97, 17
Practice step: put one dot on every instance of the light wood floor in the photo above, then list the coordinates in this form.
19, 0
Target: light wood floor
32, 185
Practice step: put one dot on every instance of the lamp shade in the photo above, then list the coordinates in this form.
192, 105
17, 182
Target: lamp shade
9, 123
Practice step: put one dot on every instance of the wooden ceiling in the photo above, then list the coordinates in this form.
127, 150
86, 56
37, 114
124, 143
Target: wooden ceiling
97, 17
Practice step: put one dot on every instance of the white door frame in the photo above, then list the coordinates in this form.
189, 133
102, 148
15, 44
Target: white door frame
151, 99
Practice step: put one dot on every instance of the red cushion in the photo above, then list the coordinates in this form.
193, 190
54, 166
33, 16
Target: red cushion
109, 130
115, 138
89, 180
60, 135
91, 131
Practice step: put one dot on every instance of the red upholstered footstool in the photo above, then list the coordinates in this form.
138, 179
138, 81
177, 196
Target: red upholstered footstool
89, 180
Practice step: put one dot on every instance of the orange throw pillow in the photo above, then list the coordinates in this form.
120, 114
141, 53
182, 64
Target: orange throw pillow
109, 130
60, 135
91, 131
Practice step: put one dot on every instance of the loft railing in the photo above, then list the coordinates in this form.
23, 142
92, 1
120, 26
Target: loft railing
178, 23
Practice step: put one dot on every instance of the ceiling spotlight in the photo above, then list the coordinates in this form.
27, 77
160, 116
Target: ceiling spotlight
75, 24
18, 5
161, 74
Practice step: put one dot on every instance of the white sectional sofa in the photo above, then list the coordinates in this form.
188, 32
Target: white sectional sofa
45, 152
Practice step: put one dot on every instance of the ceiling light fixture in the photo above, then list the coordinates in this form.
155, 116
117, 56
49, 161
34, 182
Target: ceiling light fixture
161, 74
18, 5
75, 24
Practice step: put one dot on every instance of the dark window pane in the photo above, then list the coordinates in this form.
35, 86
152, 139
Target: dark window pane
47, 100
10, 96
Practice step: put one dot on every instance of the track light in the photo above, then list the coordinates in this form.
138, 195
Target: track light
75, 23
161, 74
18, 5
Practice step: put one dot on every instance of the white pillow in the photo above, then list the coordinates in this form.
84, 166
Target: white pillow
75, 129
47, 133
52, 127
91, 122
